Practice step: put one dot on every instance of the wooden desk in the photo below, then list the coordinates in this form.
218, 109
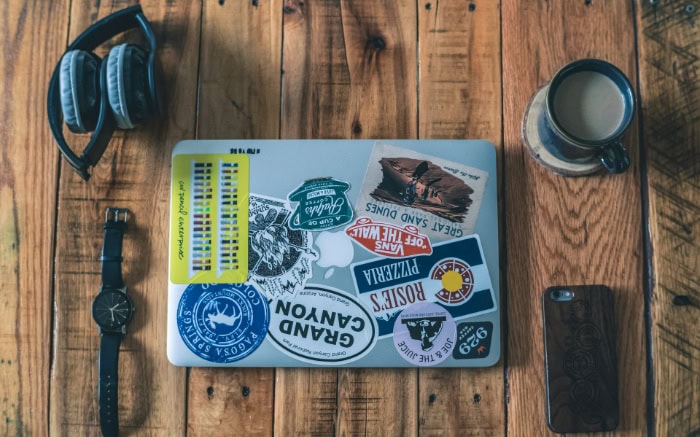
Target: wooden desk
354, 69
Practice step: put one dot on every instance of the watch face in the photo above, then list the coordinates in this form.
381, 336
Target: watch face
112, 309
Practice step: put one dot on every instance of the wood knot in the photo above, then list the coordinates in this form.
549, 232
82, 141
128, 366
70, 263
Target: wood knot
477, 398
428, 6
472, 7
432, 398
681, 300
356, 127
245, 391
376, 43
587, 2
292, 7
210, 392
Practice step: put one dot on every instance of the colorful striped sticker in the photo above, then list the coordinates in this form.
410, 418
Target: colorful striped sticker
209, 219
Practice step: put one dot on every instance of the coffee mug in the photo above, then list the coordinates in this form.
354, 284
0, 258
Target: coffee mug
588, 107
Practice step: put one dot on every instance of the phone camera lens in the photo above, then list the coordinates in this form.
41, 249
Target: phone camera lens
561, 295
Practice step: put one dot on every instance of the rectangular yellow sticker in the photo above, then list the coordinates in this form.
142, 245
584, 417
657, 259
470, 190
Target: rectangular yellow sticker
209, 219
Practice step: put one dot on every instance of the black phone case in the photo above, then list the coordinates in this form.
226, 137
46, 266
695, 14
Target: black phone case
580, 362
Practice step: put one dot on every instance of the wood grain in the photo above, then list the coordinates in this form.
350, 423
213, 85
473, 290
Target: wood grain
239, 97
459, 70
565, 231
349, 72
669, 67
134, 173
460, 97
31, 33
306, 402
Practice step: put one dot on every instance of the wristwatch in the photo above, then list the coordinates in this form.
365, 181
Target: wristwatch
112, 310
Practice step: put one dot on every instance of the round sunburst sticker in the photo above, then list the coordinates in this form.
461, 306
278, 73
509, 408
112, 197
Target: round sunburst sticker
457, 281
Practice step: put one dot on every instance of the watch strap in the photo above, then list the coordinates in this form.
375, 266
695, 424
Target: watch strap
107, 392
115, 225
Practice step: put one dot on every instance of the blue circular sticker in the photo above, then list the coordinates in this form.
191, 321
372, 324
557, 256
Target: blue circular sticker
222, 323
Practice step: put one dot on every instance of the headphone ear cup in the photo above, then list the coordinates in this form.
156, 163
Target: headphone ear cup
127, 85
79, 90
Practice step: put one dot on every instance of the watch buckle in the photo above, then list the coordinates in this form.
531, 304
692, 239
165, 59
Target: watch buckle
115, 213
104, 331
122, 289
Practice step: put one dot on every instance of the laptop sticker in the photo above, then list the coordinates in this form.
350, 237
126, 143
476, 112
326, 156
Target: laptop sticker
322, 204
322, 325
439, 197
279, 258
454, 275
222, 323
473, 340
424, 334
209, 203
389, 240
456, 278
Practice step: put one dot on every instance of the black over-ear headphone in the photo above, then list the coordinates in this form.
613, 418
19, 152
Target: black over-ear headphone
97, 95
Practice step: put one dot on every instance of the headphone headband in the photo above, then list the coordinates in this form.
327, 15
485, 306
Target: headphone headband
111, 26
94, 36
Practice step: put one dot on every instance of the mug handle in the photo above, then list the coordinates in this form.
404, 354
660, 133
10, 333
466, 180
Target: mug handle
614, 157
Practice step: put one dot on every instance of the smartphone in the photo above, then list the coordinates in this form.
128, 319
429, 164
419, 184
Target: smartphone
580, 362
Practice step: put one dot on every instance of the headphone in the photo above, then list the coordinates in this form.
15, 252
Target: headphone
101, 95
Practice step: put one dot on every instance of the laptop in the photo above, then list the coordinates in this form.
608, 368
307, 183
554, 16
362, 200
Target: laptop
345, 253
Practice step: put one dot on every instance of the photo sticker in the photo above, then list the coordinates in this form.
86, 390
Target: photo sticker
389, 240
424, 334
222, 323
454, 275
279, 258
439, 197
322, 205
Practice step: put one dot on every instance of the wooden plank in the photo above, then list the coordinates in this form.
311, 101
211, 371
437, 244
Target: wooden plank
460, 70
669, 53
240, 70
306, 402
460, 97
31, 33
239, 98
349, 72
134, 173
564, 230
314, 389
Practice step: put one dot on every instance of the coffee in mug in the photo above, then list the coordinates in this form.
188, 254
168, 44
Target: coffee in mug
589, 105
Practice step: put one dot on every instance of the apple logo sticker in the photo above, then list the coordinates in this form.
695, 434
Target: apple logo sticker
336, 250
